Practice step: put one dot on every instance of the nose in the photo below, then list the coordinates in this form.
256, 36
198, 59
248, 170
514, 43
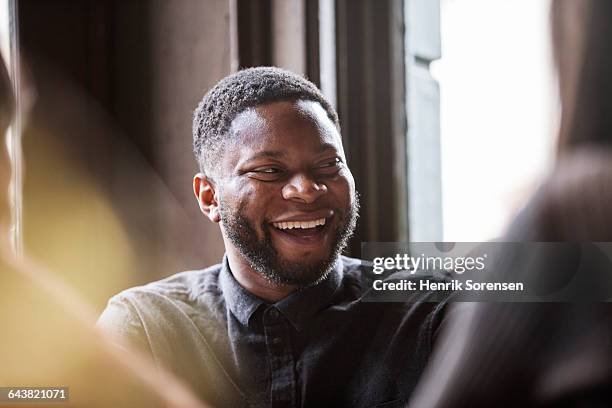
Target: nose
303, 189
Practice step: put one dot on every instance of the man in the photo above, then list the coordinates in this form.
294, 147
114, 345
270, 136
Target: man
281, 321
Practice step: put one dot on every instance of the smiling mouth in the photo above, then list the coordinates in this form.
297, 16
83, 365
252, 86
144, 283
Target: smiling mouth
302, 232
299, 224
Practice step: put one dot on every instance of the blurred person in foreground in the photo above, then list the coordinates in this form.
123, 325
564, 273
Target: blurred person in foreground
281, 321
48, 337
549, 354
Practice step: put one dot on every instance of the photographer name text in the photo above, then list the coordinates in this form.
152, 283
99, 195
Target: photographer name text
453, 285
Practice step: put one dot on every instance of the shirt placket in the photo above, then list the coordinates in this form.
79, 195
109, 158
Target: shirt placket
280, 356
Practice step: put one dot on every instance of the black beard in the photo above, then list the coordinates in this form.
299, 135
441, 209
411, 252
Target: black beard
264, 258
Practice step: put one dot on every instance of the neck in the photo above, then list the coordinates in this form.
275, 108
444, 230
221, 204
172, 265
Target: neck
253, 281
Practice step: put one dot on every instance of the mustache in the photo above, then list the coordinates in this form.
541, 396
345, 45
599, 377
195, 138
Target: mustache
349, 214
352, 211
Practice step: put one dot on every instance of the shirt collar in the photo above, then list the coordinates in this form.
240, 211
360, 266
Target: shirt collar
240, 301
298, 307
302, 305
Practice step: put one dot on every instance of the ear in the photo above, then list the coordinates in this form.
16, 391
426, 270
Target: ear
204, 190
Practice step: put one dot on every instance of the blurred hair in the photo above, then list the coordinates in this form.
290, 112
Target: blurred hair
237, 92
582, 44
575, 200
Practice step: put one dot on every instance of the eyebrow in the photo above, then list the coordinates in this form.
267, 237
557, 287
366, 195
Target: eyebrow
279, 154
274, 154
324, 147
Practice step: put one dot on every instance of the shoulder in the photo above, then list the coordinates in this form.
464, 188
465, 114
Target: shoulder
129, 309
182, 287
355, 275
352, 266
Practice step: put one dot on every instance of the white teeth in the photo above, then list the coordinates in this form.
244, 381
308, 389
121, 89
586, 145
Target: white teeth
299, 224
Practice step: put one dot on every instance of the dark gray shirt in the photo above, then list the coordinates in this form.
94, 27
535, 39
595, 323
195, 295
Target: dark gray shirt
320, 347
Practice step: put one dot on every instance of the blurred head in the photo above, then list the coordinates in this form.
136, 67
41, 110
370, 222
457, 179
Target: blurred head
582, 43
274, 174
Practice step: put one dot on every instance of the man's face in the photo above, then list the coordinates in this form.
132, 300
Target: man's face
286, 197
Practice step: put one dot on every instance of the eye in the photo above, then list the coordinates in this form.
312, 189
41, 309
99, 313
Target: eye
267, 170
330, 165
266, 173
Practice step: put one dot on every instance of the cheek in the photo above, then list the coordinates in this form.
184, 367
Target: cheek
261, 195
343, 189
254, 199
350, 181
347, 182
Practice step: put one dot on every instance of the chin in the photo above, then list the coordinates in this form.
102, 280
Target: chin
303, 272
305, 258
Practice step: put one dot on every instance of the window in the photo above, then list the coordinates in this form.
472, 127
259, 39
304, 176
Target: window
498, 106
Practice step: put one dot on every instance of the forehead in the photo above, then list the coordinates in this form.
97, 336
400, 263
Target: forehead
284, 125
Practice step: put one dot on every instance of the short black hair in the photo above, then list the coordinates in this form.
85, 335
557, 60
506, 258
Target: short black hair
244, 89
